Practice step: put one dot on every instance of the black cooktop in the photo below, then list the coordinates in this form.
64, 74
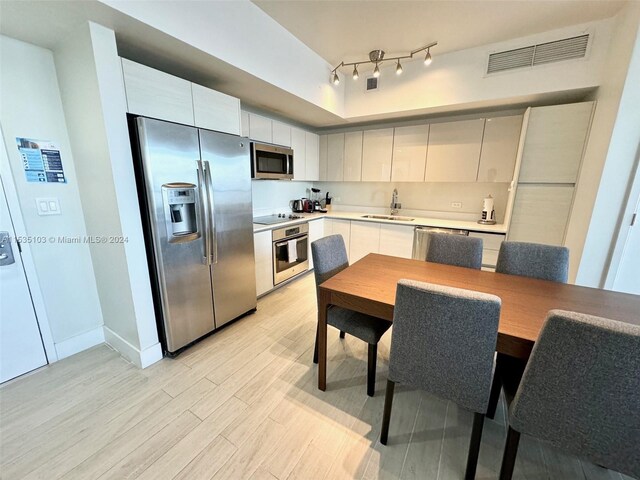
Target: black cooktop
276, 218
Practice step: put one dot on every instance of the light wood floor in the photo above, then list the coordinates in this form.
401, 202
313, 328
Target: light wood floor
243, 404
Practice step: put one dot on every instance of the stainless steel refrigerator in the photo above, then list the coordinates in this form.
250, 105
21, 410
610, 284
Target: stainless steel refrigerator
195, 186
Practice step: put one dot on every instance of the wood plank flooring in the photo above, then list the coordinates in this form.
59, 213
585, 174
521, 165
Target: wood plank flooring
243, 404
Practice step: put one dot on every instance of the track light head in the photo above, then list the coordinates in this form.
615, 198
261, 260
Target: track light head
427, 58
355, 72
376, 71
335, 79
398, 68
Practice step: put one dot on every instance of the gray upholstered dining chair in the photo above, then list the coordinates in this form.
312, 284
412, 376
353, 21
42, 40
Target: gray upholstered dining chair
533, 260
580, 392
457, 250
330, 257
443, 342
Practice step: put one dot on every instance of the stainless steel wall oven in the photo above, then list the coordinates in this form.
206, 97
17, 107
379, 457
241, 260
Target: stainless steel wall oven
290, 252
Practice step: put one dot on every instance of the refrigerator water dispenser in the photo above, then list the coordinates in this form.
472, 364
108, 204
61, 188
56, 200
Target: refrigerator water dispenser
181, 211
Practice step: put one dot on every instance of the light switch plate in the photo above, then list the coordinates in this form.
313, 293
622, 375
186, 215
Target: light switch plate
48, 206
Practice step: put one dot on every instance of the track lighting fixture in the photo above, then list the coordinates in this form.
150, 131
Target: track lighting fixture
377, 58
427, 58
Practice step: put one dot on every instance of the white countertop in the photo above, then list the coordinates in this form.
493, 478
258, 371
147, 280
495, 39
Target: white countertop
417, 221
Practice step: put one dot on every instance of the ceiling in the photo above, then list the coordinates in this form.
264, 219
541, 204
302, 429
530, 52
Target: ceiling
347, 30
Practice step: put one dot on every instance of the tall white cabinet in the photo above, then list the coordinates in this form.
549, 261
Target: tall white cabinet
553, 149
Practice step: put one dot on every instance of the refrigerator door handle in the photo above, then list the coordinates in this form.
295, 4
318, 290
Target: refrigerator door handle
204, 213
213, 249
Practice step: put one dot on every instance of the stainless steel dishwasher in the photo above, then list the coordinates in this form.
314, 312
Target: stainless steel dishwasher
421, 239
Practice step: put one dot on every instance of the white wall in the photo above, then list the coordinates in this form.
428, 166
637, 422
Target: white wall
616, 137
30, 106
614, 127
459, 78
94, 99
242, 35
273, 196
419, 197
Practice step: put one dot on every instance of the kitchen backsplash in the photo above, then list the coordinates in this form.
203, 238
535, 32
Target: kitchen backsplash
432, 199
420, 197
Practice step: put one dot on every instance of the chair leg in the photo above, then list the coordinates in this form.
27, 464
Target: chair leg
509, 456
494, 396
371, 369
386, 414
341, 334
474, 446
315, 349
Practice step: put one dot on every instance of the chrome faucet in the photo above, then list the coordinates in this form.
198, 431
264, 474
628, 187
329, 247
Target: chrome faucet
395, 206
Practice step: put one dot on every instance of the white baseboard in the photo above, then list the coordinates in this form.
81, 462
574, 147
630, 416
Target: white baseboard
141, 359
81, 342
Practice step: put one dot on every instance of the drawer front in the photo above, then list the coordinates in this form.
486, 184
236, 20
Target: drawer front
490, 241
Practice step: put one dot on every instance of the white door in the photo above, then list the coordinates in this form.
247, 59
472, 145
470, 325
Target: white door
627, 277
21, 348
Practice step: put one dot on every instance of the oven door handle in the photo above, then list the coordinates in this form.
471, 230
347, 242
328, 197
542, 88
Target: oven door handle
284, 242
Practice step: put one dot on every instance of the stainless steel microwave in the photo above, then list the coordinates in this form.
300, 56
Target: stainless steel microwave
271, 162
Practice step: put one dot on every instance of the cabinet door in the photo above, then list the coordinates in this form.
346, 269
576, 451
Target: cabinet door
323, 153
490, 247
396, 240
313, 166
244, 121
335, 157
377, 149
499, 149
365, 239
453, 153
334, 226
298, 144
353, 156
260, 128
281, 133
409, 153
316, 232
156, 94
554, 143
215, 111
540, 214
264, 263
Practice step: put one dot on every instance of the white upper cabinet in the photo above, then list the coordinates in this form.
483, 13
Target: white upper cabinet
377, 150
353, 156
260, 128
244, 123
499, 149
453, 153
281, 134
298, 144
312, 151
409, 153
335, 157
323, 153
215, 111
156, 94
554, 143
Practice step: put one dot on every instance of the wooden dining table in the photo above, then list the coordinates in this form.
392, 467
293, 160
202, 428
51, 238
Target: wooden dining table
369, 286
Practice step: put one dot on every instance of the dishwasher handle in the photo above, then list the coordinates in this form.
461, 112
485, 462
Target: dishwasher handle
421, 239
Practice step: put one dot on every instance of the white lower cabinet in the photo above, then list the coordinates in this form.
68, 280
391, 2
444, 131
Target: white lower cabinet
396, 240
316, 232
490, 247
334, 226
262, 246
365, 239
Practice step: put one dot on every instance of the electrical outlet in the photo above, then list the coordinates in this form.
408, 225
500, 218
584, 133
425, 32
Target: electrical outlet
456, 204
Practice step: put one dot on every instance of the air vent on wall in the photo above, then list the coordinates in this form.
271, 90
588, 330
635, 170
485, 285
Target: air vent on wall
371, 84
557, 51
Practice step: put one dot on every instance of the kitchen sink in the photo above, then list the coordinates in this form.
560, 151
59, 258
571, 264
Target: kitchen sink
389, 217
